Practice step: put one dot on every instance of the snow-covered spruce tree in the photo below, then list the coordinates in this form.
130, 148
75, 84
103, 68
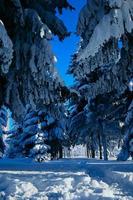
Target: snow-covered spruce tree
80, 125
14, 148
5, 61
87, 122
76, 120
127, 148
41, 134
33, 78
6, 51
53, 121
33, 138
101, 67
12, 13
28, 140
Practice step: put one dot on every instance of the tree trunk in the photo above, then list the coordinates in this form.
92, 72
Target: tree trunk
105, 154
104, 142
100, 146
60, 152
53, 150
93, 153
88, 151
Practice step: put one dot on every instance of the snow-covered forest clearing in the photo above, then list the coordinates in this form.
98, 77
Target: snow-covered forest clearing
62, 142
66, 179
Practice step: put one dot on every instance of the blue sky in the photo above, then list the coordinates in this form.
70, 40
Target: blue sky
64, 50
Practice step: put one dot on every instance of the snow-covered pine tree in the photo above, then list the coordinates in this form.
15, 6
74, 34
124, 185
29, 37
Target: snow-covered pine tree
38, 82
32, 139
127, 148
6, 50
53, 122
80, 123
41, 132
76, 120
86, 125
101, 66
33, 78
12, 13
6, 54
14, 148
27, 139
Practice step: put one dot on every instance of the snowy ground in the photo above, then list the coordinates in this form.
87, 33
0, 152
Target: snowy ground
67, 179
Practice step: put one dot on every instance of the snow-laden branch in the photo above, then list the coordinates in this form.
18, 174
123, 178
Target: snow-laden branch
117, 22
6, 50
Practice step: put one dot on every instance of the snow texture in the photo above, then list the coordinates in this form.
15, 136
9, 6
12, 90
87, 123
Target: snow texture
71, 179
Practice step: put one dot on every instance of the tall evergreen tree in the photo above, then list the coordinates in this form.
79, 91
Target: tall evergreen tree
53, 121
14, 148
27, 139
41, 134
127, 148
6, 53
32, 77
102, 65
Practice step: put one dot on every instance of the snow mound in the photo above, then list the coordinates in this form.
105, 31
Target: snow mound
68, 179
16, 189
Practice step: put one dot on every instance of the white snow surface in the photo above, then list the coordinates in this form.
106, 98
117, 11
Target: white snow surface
66, 179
